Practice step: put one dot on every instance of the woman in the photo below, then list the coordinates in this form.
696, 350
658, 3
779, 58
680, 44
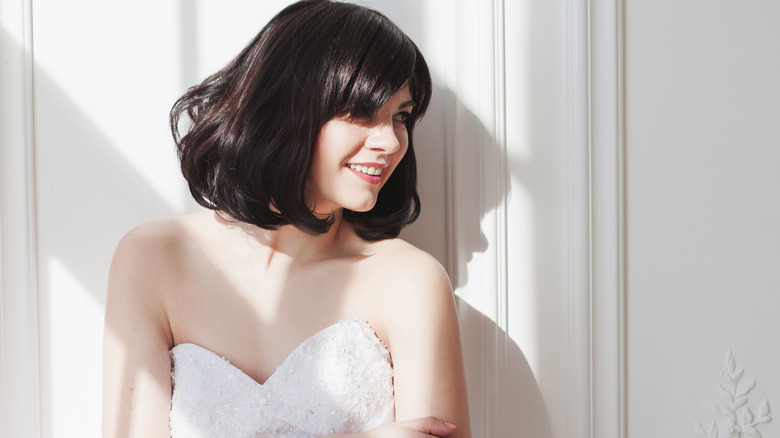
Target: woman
289, 307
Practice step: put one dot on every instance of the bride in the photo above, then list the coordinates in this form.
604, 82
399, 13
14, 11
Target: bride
289, 307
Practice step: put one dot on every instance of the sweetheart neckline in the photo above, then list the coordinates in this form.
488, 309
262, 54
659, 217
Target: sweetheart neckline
363, 323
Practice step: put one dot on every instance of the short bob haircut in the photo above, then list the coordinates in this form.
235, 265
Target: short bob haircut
253, 126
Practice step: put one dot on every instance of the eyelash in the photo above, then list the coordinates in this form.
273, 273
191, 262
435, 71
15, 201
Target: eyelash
402, 117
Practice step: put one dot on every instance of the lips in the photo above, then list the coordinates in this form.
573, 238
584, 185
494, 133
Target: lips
368, 172
367, 169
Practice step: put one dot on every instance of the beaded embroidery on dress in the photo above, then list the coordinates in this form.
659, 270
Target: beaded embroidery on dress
339, 380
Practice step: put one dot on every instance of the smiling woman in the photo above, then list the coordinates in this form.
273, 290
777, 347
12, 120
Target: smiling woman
289, 307
369, 150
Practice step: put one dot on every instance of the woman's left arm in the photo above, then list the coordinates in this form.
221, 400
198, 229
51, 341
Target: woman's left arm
424, 338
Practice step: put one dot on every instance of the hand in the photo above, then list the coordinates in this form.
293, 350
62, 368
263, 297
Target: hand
415, 428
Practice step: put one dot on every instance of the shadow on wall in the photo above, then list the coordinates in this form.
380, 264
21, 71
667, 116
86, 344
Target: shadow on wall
519, 404
522, 410
536, 171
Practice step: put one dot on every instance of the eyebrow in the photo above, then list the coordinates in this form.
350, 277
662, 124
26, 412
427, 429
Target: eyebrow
406, 104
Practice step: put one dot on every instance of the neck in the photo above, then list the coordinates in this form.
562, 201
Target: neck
296, 245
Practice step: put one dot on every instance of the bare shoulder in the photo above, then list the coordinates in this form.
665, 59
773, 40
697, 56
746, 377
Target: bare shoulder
159, 234
144, 248
411, 271
157, 245
401, 253
147, 261
414, 290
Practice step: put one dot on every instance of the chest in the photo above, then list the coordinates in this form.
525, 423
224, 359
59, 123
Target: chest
256, 318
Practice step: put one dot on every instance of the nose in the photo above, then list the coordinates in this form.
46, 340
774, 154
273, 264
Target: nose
384, 138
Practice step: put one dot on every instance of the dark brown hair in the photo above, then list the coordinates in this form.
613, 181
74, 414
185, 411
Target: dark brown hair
253, 126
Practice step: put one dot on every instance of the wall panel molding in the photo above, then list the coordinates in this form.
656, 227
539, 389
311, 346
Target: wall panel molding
497, 188
596, 406
476, 188
19, 369
579, 383
607, 219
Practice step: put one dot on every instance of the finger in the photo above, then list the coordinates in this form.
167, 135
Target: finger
430, 425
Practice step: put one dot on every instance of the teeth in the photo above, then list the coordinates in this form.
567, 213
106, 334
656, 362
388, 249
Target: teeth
366, 169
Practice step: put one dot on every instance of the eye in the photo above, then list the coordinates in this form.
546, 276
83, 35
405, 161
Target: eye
402, 117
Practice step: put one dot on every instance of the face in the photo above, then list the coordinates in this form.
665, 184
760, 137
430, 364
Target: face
354, 158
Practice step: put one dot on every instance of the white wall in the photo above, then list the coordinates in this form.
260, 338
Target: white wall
684, 212
702, 212
600, 179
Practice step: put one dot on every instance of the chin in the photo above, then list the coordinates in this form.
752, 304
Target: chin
362, 208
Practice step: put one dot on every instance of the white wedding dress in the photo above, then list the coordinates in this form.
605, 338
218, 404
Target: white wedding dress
338, 380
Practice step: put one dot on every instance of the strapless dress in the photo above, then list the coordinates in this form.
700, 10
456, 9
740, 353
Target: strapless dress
339, 380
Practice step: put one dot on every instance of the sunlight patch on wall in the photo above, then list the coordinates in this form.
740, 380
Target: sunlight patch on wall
522, 268
74, 369
517, 63
119, 72
437, 33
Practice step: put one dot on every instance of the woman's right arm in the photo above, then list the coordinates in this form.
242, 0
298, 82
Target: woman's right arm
136, 362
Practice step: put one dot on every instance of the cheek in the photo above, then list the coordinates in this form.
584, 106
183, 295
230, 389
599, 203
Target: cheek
337, 139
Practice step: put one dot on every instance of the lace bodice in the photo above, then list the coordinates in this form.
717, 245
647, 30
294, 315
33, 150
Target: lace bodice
338, 380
